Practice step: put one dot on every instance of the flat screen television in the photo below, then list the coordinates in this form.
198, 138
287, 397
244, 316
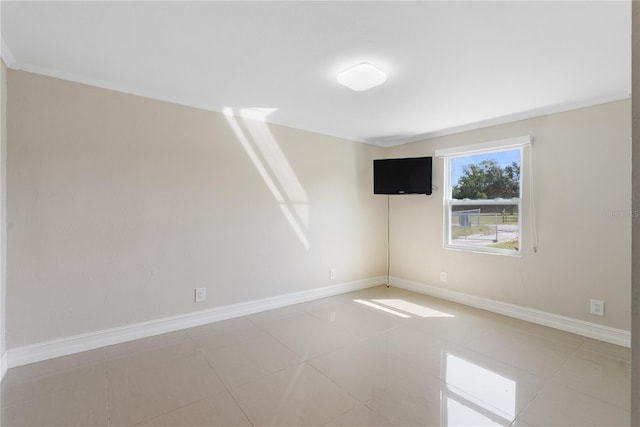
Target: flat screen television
402, 176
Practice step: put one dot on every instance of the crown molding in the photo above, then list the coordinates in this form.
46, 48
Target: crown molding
523, 115
12, 63
116, 87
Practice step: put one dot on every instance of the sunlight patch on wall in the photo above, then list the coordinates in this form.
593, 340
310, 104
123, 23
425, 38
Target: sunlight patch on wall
252, 131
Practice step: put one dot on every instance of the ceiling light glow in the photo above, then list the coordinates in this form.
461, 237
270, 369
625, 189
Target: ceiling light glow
361, 77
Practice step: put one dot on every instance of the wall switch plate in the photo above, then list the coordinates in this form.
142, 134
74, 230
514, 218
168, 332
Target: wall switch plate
332, 273
444, 276
201, 294
597, 307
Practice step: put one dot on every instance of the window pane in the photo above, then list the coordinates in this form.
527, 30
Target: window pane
487, 226
486, 176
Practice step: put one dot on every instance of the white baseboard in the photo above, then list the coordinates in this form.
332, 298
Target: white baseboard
92, 340
568, 324
3, 365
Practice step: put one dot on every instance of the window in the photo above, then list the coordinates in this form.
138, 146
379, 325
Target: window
482, 206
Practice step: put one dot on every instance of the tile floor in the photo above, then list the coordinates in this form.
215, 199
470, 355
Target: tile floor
376, 357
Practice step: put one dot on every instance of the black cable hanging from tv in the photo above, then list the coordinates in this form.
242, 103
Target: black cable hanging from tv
388, 240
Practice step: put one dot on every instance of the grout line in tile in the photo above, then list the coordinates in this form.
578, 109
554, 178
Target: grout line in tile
336, 384
227, 389
545, 383
106, 380
282, 343
170, 410
355, 398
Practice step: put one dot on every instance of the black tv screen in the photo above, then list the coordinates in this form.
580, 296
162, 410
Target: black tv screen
402, 176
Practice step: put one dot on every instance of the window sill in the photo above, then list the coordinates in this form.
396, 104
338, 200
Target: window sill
485, 251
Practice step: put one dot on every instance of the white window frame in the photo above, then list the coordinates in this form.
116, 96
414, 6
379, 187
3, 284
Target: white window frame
447, 155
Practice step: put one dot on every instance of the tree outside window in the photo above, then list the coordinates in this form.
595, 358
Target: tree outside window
483, 201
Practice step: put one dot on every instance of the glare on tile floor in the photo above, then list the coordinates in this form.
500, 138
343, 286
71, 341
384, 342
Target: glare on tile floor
377, 357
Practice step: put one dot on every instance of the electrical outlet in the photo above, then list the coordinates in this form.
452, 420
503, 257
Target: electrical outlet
332, 273
597, 307
443, 276
200, 294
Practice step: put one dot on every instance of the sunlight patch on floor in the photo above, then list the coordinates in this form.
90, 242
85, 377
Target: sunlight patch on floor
381, 308
412, 308
402, 308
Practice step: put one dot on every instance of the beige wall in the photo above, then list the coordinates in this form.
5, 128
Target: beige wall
582, 168
119, 206
635, 319
3, 201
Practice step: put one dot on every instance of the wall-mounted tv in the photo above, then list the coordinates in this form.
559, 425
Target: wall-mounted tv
402, 176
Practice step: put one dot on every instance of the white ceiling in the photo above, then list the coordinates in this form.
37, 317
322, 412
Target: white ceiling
451, 65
